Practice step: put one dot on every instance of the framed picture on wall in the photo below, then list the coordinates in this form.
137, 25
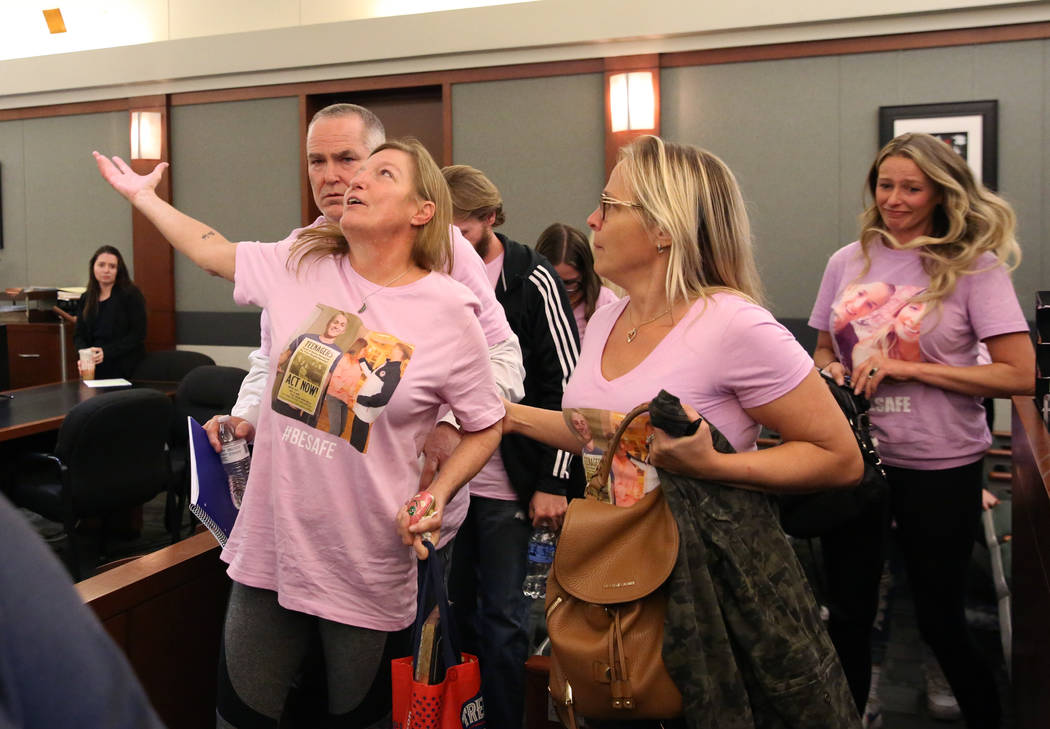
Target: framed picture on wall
971, 128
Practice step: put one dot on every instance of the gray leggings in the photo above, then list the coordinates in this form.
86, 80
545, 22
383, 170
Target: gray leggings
263, 649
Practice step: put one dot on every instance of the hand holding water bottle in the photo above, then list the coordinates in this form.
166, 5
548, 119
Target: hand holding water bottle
236, 460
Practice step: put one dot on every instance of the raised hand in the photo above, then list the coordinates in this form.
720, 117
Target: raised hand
125, 180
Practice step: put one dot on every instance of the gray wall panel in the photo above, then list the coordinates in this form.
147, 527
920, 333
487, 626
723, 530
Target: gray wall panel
933, 75
1021, 173
541, 141
14, 266
235, 167
776, 125
69, 210
801, 134
867, 82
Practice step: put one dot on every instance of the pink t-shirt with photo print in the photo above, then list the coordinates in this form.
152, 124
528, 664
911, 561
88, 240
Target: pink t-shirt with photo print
317, 521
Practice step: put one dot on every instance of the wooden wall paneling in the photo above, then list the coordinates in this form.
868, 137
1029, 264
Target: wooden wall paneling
446, 123
175, 663
1030, 588
309, 210
166, 611
84, 107
153, 255
384, 83
834, 46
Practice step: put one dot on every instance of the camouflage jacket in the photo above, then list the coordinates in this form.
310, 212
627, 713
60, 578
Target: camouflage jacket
743, 639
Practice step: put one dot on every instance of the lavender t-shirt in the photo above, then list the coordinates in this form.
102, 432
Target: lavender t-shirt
917, 426
317, 521
726, 354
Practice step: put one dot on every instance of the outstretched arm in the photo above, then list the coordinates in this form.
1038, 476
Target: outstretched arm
545, 426
203, 245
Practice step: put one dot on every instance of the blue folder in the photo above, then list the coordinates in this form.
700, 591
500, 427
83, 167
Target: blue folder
210, 499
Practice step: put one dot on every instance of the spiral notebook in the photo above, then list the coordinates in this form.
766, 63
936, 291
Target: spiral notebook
210, 499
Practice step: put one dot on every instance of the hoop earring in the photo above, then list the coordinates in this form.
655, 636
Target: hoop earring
660, 248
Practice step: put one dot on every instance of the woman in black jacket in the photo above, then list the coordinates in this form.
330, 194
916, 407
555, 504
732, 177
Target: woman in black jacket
111, 316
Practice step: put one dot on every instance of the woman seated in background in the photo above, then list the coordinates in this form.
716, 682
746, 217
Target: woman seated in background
111, 316
320, 550
671, 230
569, 252
935, 233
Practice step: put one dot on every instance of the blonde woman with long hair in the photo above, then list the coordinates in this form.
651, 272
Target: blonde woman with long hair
321, 547
933, 229
671, 230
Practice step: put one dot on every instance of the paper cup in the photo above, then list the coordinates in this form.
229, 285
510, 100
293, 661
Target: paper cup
87, 364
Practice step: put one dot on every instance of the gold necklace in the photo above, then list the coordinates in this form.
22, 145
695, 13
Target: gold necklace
391, 282
632, 333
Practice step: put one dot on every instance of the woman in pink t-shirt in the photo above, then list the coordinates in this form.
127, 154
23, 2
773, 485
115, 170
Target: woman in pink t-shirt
569, 252
314, 554
672, 231
942, 242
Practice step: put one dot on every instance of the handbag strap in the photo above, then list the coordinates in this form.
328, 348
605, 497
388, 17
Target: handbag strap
601, 476
434, 581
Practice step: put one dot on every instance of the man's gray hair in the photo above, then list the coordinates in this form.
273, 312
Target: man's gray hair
375, 134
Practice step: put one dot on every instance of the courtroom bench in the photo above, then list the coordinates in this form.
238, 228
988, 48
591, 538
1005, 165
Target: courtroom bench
165, 610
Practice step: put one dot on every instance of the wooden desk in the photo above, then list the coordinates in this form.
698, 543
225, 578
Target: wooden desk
165, 610
1030, 590
35, 353
44, 407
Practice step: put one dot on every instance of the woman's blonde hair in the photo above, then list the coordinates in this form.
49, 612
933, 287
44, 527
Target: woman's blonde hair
693, 196
968, 221
432, 249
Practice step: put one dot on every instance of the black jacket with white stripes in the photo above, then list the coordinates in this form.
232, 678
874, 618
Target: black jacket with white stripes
539, 312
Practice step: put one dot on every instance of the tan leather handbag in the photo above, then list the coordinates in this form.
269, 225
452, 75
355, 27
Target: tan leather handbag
606, 605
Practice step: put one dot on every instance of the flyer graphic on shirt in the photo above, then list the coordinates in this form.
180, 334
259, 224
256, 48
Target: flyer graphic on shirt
630, 475
878, 318
337, 376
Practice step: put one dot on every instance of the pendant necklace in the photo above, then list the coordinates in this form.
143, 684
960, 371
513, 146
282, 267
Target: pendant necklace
391, 282
633, 332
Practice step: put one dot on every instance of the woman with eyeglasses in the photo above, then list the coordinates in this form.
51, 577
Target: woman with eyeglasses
672, 231
569, 252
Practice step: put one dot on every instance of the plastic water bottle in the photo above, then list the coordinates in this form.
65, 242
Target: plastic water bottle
236, 460
541, 555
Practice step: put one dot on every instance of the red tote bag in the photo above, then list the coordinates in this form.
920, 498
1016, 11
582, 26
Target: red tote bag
455, 701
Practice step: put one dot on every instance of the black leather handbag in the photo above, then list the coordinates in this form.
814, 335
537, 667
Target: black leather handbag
812, 515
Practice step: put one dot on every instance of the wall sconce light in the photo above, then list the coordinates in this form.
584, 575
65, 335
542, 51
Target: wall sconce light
145, 135
632, 101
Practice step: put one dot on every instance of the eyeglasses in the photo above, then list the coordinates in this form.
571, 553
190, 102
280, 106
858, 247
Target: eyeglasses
606, 200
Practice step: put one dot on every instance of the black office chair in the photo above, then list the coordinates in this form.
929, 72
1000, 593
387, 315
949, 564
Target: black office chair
204, 391
111, 455
169, 365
